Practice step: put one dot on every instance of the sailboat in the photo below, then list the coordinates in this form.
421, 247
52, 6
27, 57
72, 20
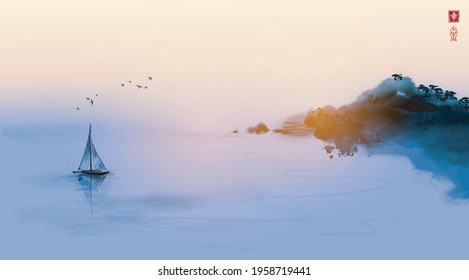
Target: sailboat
91, 163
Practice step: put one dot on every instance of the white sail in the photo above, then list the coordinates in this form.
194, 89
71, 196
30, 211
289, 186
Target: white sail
91, 162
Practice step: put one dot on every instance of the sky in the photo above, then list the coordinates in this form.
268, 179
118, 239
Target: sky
216, 64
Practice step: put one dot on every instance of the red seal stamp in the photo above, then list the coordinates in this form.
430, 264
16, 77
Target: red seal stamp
453, 16
453, 33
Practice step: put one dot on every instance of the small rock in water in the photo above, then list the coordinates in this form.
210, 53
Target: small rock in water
329, 148
259, 129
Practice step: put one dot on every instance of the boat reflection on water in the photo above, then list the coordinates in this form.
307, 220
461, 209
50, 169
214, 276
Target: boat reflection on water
89, 185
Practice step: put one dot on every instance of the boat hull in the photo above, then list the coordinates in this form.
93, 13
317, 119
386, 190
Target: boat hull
91, 172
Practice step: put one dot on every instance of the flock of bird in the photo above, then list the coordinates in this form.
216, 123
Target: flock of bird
139, 86
92, 101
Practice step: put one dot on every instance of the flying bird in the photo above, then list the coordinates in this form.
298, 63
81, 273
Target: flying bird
96, 95
78, 108
139, 86
92, 102
122, 85
130, 82
150, 78
88, 98
146, 87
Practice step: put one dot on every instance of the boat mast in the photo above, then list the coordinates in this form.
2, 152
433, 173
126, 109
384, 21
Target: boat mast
89, 141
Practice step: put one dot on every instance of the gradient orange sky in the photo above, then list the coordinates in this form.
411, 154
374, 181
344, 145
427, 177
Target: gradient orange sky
222, 62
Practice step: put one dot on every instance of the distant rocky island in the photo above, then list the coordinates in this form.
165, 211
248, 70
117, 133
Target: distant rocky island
261, 128
427, 124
